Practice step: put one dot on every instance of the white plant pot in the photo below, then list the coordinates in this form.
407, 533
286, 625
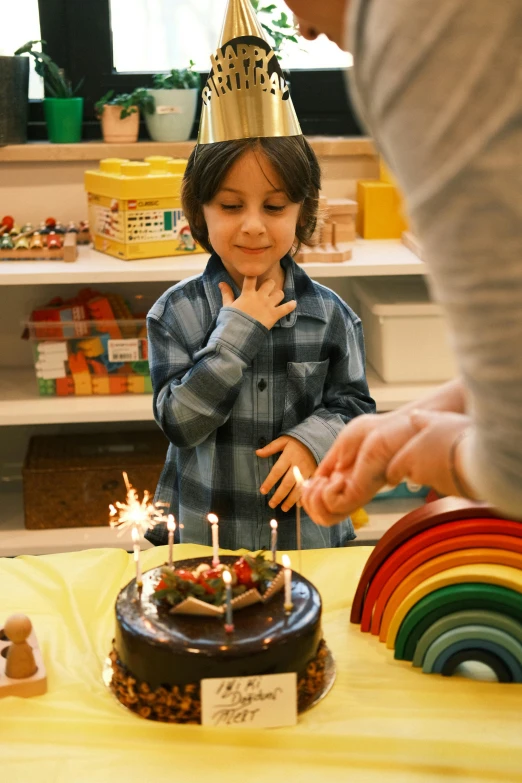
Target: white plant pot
174, 115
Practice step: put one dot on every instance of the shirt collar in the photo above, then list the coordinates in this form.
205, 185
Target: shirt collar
298, 286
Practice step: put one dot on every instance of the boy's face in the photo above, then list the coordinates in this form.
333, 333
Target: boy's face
251, 221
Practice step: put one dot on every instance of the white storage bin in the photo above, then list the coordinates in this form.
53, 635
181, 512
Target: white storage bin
405, 333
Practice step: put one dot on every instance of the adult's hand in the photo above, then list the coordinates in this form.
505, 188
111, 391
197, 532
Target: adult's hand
358, 463
355, 467
314, 17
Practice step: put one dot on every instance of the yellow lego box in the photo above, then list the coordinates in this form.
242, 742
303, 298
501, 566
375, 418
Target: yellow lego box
135, 208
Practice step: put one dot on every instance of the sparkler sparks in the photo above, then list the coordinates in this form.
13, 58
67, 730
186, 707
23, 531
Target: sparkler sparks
134, 513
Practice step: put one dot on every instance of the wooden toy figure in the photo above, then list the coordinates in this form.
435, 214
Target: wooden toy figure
22, 243
7, 224
22, 671
6, 242
53, 241
36, 240
20, 661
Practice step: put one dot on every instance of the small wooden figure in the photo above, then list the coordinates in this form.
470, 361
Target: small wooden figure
53, 241
36, 241
6, 242
22, 672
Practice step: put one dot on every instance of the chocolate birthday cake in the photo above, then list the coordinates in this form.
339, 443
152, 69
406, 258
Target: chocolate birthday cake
161, 654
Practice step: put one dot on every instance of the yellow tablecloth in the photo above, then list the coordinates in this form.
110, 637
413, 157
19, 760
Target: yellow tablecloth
383, 721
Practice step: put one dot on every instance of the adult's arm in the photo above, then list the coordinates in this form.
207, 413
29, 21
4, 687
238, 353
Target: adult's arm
439, 85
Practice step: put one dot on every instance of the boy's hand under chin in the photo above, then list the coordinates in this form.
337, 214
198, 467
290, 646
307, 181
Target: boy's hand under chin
293, 452
263, 303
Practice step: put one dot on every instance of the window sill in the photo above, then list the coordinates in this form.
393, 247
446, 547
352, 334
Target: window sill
34, 152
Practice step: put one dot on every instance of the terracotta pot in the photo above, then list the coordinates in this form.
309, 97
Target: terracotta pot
116, 131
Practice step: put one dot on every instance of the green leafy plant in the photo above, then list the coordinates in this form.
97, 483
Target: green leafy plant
279, 28
185, 79
56, 82
140, 98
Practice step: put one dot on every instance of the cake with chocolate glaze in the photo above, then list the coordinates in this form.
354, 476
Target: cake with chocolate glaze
160, 656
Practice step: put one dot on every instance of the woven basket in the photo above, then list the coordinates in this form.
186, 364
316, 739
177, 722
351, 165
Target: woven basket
70, 480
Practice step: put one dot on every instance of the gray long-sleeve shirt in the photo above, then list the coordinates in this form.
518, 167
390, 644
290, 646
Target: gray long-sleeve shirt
439, 85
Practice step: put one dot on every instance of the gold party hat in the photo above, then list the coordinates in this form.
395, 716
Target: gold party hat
246, 94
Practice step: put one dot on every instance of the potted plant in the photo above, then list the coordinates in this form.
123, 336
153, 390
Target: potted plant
281, 31
120, 114
175, 96
14, 91
63, 110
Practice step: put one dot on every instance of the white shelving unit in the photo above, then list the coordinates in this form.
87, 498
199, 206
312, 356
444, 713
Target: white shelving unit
20, 404
370, 258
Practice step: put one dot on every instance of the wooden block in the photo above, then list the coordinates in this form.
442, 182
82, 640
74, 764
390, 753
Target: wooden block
324, 255
341, 208
326, 234
380, 213
118, 384
70, 249
36, 685
101, 384
136, 384
64, 386
345, 232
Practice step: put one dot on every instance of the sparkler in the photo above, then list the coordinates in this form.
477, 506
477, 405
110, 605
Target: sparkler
141, 515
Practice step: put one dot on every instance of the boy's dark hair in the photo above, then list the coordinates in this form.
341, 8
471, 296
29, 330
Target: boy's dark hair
291, 156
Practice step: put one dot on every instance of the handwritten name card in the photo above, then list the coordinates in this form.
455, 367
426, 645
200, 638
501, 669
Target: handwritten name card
253, 702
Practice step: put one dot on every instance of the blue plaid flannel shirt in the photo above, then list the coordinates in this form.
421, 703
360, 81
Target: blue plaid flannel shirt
224, 385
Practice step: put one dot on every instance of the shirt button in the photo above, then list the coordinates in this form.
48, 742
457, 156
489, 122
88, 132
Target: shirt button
261, 443
261, 385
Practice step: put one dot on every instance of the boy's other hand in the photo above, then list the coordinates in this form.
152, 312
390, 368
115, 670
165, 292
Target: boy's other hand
263, 304
293, 452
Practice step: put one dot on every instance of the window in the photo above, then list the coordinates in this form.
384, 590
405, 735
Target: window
23, 26
157, 35
119, 44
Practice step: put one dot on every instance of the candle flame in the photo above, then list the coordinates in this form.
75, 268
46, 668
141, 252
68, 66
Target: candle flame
227, 577
298, 476
134, 513
212, 518
286, 561
171, 523
273, 524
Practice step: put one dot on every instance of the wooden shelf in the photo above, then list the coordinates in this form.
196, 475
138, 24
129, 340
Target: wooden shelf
16, 540
35, 152
21, 404
370, 258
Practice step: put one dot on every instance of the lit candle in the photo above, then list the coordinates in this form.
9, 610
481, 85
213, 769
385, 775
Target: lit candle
288, 584
171, 527
212, 518
273, 539
299, 481
137, 560
229, 624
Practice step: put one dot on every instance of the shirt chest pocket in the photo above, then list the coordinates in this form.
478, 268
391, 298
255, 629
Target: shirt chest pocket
304, 390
